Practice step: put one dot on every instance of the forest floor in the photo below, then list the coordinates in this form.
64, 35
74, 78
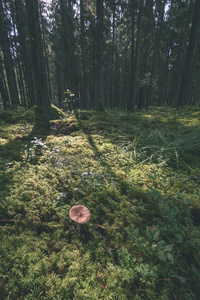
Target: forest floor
139, 175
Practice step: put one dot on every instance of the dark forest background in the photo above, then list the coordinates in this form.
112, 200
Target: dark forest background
94, 54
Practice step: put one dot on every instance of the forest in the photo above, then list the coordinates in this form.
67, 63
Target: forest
100, 111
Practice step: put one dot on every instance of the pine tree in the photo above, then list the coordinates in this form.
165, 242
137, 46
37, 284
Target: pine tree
5, 44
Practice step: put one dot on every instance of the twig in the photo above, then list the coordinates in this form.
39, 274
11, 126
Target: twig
98, 225
7, 220
6, 227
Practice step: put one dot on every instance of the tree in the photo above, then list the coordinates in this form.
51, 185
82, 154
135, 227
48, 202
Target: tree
4, 42
22, 28
3, 87
131, 99
37, 54
156, 62
85, 90
99, 57
112, 53
189, 61
58, 48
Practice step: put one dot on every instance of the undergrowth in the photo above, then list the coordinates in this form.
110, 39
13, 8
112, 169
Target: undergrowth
139, 176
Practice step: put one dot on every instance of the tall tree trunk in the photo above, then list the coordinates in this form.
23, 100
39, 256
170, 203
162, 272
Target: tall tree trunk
111, 88
25, 50
18, 70
125, 94
99, 57
20, 80
3, 86
4, 42
67, 74
164, 82
3, 94
41, 85
46, 59
59, 86
187, 72
181, 53
85, 91
130, 101
156, 52
72, 50
93, 74
116, 81
135, 76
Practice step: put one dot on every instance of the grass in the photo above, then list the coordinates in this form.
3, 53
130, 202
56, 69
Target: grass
139, 176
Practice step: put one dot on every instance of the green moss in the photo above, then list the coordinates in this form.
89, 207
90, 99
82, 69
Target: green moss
16, 115
138, 174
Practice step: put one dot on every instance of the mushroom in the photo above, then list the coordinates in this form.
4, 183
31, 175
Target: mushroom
80, 214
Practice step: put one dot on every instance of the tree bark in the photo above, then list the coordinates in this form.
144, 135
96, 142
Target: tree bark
99, 57
187, 72
111, 86
3, 87
85, 91
25, 50
41, 85
67, 74
156, 53
135, 75
4, 42
130, 102
72, 50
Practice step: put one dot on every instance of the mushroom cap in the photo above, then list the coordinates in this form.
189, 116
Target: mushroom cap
79, 214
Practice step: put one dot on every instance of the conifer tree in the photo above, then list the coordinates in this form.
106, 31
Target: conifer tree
37, 53
5, 45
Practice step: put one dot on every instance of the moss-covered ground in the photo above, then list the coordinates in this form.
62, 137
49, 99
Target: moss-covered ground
139, 175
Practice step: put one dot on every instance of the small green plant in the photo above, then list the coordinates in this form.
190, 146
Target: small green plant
33, 151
